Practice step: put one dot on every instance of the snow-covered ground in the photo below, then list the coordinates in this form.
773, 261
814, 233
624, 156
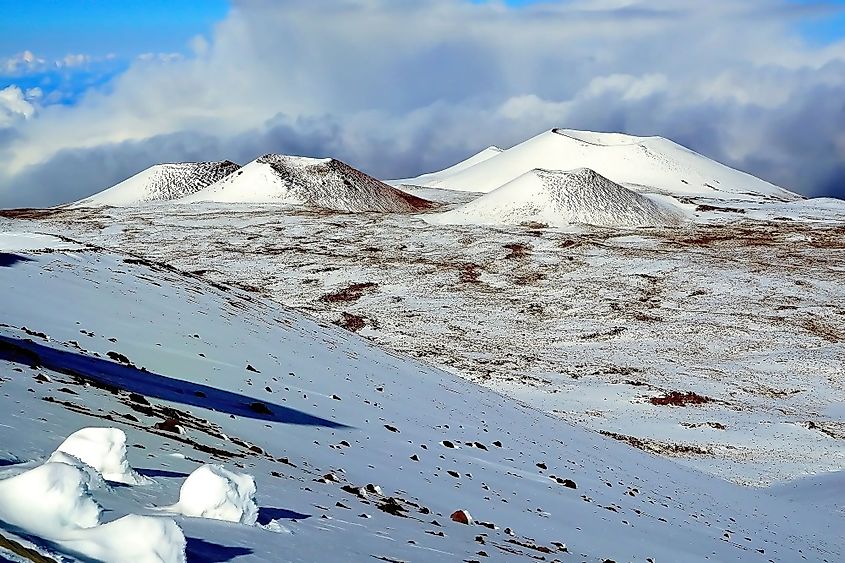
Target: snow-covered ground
356, 453
588, 325
642, 334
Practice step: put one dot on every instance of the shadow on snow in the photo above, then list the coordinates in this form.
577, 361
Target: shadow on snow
134, 380
7, 259
267, 514
201, 550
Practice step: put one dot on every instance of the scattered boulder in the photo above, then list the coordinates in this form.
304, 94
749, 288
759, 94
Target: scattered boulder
461, 517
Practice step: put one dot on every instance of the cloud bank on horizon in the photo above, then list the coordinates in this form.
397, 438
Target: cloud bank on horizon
398, 87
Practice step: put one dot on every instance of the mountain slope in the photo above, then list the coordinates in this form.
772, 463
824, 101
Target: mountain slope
425, 179
356, 453
642, 163
562, 198
161, 182
323, 183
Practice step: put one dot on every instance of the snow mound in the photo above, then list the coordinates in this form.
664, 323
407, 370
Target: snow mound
643, 163
94, 478
161, 182
141, 539
214, 492
104, 449
48, 500
323, 183
53, 501
562, 198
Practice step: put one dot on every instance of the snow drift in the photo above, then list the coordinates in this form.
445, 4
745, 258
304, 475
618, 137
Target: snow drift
641, 163
161, 182
322, 183
562, 198
104, 449
53, 501
214, 492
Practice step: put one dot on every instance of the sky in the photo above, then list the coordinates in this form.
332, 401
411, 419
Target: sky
93, 91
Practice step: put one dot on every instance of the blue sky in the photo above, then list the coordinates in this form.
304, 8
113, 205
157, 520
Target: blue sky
53, 28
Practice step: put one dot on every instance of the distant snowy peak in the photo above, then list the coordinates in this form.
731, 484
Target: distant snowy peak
563, 198
324, 183
651, 164
161, 182
431, 177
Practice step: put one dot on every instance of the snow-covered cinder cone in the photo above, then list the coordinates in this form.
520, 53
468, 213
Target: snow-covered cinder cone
161, 182
47, 500
214, 492
314, 182
104, 449
563, 198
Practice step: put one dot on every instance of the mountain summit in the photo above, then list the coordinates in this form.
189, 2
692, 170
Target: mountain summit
325, 183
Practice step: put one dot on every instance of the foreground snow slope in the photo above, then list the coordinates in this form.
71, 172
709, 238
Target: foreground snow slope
313, 412
651, 163
562, 198
161, 182
323, 183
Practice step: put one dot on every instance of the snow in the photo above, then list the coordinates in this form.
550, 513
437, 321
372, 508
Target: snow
486, 154
48, 500
53, 502
161, 182
641, 163
23, 241
562, 199
104, 449
212, 491
141, 539
320, 183
171, 327
339, 405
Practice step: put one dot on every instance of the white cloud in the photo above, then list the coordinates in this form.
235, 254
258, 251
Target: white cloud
21, 63
399, 85
73, 60
14, 106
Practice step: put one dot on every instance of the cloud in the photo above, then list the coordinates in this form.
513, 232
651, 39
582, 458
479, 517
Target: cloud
15, 105
21, 63
397, 87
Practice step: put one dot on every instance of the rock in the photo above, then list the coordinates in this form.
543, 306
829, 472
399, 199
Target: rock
169, 425
374, 489
138, 398
260, 408
461, 517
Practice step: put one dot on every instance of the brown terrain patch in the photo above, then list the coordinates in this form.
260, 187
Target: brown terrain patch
349, 294
678, 399
351, 322
655, 447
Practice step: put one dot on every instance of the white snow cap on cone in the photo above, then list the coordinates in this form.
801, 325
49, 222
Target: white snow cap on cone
104, 449
214, 492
